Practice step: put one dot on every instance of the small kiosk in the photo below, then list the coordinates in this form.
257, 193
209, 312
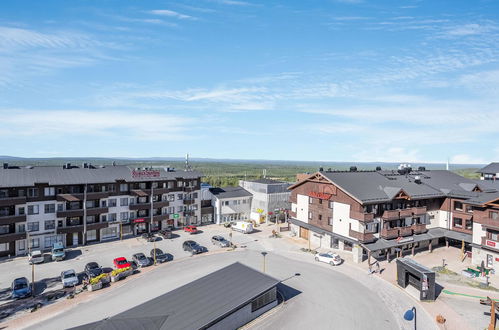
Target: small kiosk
409, 272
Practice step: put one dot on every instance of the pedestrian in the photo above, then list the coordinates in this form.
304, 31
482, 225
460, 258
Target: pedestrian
370, 269
377, 266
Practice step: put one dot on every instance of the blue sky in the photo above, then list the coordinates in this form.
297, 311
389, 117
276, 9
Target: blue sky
345, 80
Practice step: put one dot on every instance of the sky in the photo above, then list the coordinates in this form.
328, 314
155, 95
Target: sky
329, 80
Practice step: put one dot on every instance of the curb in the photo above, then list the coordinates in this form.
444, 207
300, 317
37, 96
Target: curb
464, 294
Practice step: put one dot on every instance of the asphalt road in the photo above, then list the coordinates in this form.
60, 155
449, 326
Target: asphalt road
319, 298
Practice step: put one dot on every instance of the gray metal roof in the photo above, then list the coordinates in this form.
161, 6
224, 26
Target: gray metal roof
492, 168
196, 304
267, 181
57, 175
230, 192
383, 186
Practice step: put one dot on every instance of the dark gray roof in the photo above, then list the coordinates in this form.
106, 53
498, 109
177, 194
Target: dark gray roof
267, 181
57, 175
230, 192
196, 304
492, 168
383, 186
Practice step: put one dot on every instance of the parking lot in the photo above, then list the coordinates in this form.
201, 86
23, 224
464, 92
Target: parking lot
47, 274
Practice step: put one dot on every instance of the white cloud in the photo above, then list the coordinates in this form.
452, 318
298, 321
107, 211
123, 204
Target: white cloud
170, 13
469, 29
16, 38
234, 2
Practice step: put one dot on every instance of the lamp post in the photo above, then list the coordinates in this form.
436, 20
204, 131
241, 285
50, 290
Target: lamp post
410, 314
264, 254
154, 249
32, 265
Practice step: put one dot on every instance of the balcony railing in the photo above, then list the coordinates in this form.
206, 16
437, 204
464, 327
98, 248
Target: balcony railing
405, 231
362, 216
389, 233
97, 210
140, 206
419, 228
421, 210
8, 201
10, 219
11, 237
189, 201
406, 213
362, 237
70, 213
391, 215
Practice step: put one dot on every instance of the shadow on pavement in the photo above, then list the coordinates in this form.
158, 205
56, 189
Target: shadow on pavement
72, 254
438, 290
287, 292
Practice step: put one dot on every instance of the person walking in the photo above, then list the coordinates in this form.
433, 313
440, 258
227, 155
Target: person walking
377, 266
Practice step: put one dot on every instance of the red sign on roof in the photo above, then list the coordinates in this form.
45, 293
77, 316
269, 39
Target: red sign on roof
320, 195
145, 174
139, 220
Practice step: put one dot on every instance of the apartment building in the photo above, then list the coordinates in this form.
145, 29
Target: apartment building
230, 204
489, 172
40, 205
269, 197
384, 213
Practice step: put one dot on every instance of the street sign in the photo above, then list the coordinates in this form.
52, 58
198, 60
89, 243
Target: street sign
175, 216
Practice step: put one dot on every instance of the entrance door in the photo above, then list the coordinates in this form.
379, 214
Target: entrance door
75, 239
304, 233
490, 261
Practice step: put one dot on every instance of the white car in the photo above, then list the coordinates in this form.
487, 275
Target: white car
329, 257
69, 278
36, 257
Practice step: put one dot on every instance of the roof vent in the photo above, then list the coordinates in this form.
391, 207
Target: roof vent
5, 166
404, 169
321, 169
114, 163
378, 168
85, 165
417, 179
421, 168
353, 168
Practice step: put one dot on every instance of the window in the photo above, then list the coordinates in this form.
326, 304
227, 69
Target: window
22, 245
320, 201
264, 299
331, 203
330, 221
154, 185
4, 193
49, 208
458, 206
33, 209
4, 247
124, 216
91, 235
74, 221
103, 203
49, 191
21, 210
111, 188
33, 226
90, 218
60, 207
34, 243
49, 224
4, 229
310, 200
21, 228
123, 187
103, 217
50, 240
112, 202
171, 184
110, 232
494, 236
179, 197
469, 224
320, 217
171, 197
494, 215
458, 222
90, 204
111, 217
180, 184
124, 201
310, 215
32, 192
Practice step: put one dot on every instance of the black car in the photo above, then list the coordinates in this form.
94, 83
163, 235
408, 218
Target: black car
193, 247
92, 269
166, 233
160, 256
149, 237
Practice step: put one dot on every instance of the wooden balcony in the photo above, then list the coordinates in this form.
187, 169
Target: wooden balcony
10, 219
488, 222
419, 228
421, 210
389, 233
391, 215
365, 217
69, 229
362, 237
11, 237
159, 204
405, 231
161, 217
9, 201
97, 210
406, 213
70, 213
140, 206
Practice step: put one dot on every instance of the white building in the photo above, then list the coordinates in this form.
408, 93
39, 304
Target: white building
231, 204
269, 197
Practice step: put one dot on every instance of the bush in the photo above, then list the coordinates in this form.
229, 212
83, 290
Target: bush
116, 272
97, 279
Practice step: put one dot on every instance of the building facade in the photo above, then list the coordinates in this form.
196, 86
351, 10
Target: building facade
384, 213
230, 204
78, 205
270, 198
489, 172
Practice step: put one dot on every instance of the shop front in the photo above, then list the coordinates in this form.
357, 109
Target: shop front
140, 226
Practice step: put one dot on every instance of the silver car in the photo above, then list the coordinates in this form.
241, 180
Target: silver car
219, 240
141, 260
69, 278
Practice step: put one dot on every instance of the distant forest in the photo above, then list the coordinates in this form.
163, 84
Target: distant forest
225, 173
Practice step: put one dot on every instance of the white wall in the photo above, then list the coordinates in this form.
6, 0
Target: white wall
302, 208
341, 219
478, 233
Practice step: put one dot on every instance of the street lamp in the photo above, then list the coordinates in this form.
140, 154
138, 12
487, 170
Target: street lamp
32, 265
264, 254
410, 314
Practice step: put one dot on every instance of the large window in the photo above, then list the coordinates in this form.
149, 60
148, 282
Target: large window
49, 208
123, 187
34, 243
458, 222
458, 206
33, 209
469, 224
264, 299
50, 240
33, 226
91, 235
124, 201
49, 191
111, 232
124, 216
494, 215
49, 224
32, 192
4, 229
4, 247
112, 202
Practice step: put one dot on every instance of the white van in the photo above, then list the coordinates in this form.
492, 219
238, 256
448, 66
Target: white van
243, 227
36, 257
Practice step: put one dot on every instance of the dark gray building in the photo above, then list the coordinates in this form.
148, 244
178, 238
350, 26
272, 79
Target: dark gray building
226, 299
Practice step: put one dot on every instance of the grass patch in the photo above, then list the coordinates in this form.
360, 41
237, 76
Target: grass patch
444, 271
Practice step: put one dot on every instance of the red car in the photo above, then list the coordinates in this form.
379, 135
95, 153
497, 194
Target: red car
121, 262
191, 229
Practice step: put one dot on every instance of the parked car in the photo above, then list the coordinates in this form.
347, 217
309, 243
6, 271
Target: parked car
121, 262
329, 257
92, 269
219, 240
20, 288
36, 257
69, 278
166, 233
191, 229
160, 256
148, 237
243, 227
141, 260
58, 252
193, 247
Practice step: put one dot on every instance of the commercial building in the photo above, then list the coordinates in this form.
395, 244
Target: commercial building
77, 205
230, 204
226, 299
489, 172
270, 198
388, 213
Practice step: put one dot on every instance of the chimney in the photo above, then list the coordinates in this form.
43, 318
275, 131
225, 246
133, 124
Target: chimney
5, 166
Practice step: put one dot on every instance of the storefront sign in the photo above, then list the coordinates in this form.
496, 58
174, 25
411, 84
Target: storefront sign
175, 216
259, 210
490, 243
319, 195
145, 174
139, 220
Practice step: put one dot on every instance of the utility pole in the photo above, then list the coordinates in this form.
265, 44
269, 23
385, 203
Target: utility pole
85, 215
264, 254
151, 209
32, 265
154, 249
